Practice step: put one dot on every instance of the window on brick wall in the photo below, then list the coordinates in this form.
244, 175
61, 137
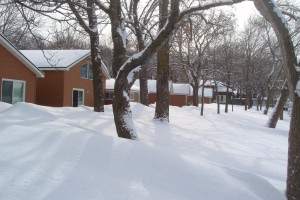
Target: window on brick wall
12, 91
86, 71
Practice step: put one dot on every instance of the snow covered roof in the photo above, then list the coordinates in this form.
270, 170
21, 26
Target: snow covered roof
152, 85
55, 58
110, 83
208, 92
182, 88
221, 86
13, 50
58, 59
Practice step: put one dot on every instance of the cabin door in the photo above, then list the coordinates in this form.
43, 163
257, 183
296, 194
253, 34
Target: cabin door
78, 97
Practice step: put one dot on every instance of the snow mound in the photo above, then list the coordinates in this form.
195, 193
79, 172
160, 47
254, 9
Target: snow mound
4, 106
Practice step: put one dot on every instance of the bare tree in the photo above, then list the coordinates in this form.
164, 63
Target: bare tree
17, 25
191, 47
66, 37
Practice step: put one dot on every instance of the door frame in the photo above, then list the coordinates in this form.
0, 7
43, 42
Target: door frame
78, 89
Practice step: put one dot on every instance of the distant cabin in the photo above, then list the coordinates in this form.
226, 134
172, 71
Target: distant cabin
180, 95
18, 75
68, 77
222, 91
152, 89
109, 92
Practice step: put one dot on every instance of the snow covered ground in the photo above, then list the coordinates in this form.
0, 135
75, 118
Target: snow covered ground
73, 153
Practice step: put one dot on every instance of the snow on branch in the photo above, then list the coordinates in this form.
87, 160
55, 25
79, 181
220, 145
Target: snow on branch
278, 11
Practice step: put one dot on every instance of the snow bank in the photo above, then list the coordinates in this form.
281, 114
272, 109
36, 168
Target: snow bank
74, 153
4, 106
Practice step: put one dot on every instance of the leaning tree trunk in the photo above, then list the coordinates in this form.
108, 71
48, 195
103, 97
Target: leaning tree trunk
278, 109
122, 111
272, 13
162, 84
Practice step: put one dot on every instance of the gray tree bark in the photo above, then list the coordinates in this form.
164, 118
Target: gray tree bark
162, 84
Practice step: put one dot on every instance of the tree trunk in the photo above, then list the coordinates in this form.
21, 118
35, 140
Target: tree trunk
268, 101
97, 74
250, 101
246, 101
162, 84
270, 11
217, 98
202, 100
144, 86
119, 41
227, 99
122, 111
196, 95
96, 59
279, 107
258, 102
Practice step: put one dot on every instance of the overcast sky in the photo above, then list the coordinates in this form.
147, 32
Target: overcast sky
243, 11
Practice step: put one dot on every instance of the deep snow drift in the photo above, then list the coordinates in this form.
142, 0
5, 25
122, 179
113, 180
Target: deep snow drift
74, 153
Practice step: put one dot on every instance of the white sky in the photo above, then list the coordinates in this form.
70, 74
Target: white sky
243, 11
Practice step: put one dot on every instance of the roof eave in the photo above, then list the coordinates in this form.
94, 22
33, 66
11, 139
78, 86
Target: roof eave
12, 49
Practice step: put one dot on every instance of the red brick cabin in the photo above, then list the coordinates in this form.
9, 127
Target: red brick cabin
208, 96
68, 77
180, 94
18, 76
152, 89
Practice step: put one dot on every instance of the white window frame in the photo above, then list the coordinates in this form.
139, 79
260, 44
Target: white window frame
83, 98
14, 80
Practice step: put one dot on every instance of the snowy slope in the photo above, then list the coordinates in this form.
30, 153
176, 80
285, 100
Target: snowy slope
74, 153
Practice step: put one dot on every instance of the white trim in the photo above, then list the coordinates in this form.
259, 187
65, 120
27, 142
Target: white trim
83, 98
7, 45
14, 80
